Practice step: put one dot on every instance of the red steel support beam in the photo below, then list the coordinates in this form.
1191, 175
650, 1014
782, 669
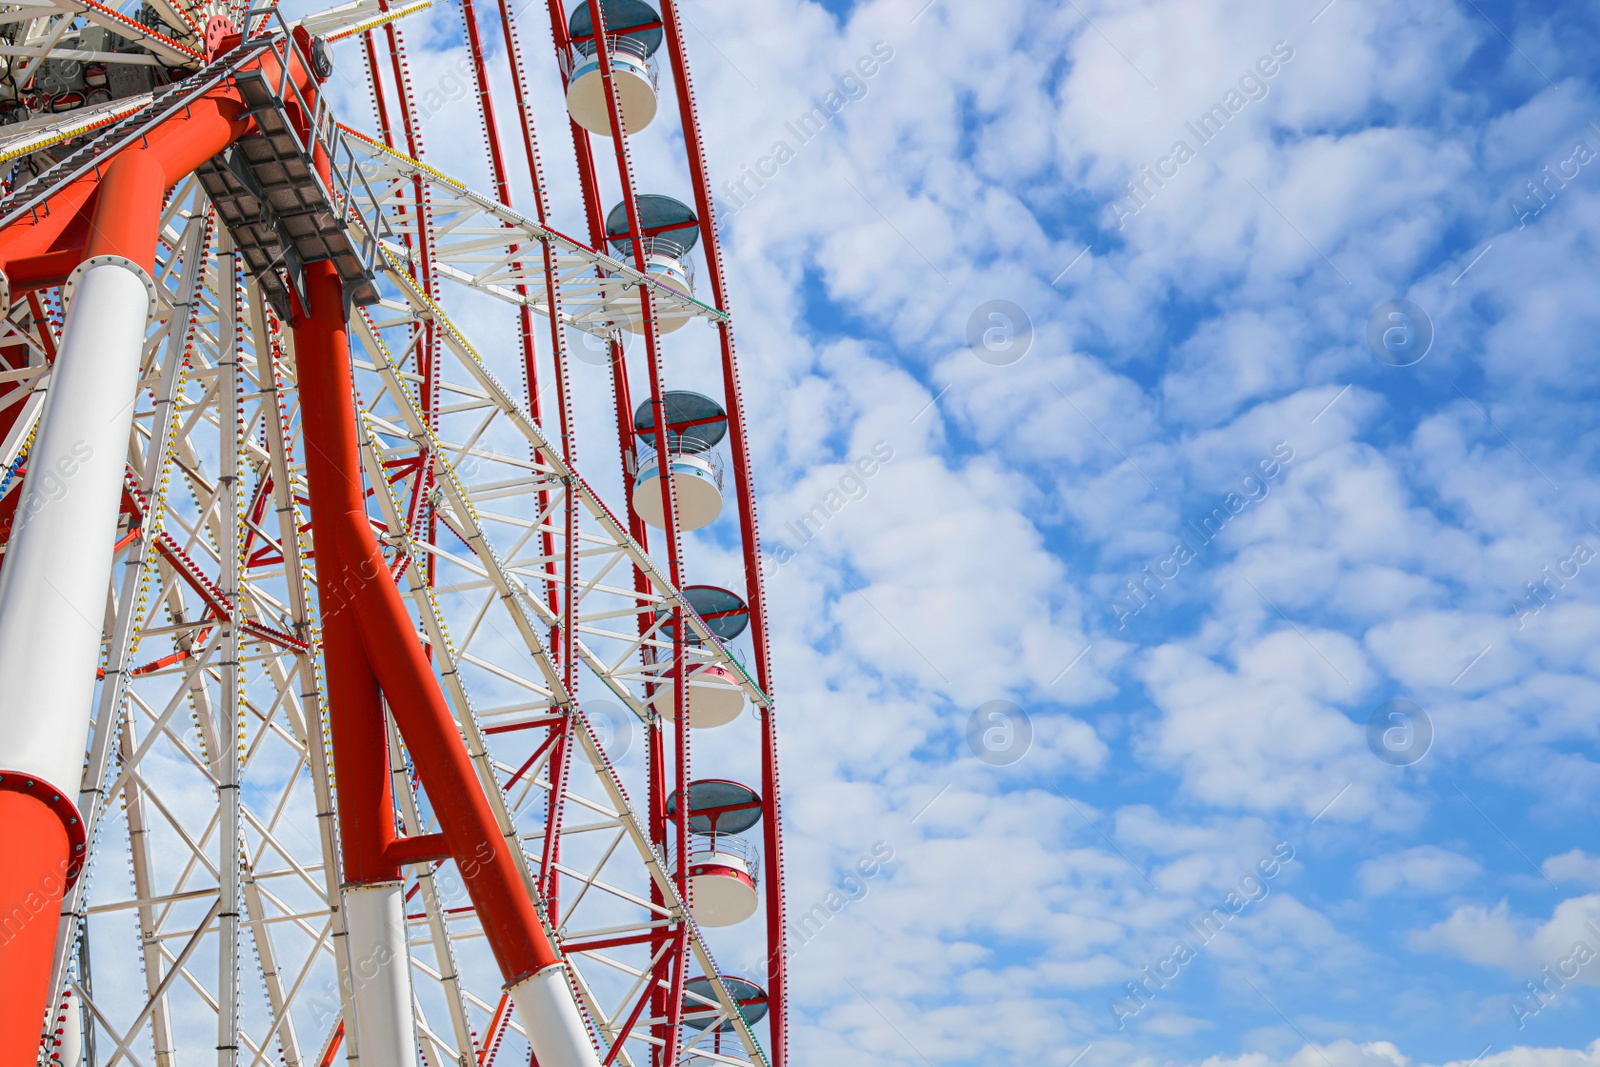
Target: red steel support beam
333, 478
43, 248
387, 644
588, 180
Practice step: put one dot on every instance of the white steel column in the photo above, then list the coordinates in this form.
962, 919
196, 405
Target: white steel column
58, 563
549, 1011
230, 730
375, 930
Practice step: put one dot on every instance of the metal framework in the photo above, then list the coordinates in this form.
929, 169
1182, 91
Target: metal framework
343, 786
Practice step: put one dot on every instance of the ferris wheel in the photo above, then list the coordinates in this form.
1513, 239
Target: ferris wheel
320, 649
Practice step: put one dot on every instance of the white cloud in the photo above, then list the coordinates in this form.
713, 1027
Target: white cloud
1575, 866
1385, 1054
1165, 362
1424, 869
1263, 735
1497, 937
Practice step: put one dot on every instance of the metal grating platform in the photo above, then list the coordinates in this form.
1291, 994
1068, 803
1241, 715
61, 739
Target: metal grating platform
280, 214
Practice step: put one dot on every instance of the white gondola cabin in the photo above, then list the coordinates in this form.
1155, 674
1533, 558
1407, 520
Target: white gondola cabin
669, 230
715, 697
633, 34
695, 424
724, 867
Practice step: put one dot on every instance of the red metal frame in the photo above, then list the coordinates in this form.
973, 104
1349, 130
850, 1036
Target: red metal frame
755, 595
589, 184
678, 958
373, 647
777, 955
375, 663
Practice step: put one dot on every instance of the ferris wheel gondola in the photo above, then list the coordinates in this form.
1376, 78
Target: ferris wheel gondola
633, 36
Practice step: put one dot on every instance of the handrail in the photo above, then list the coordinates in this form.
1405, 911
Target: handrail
86, 158
626, 44
270, 33
608, 265
343, 165
654, 245
643, 459
740, 848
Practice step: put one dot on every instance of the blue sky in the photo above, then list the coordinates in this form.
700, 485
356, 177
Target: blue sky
1176, 351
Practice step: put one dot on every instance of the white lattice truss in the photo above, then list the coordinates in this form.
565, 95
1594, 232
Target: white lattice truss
208, 792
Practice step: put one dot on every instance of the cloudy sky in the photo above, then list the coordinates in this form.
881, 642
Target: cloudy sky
1230, 548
